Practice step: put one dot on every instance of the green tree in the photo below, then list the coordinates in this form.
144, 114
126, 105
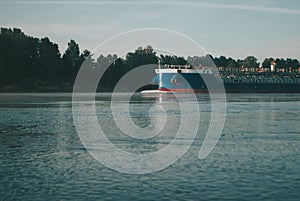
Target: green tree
250, 63
221, 62
18, 60
233, 64
281, 64
292, 64
49, 61
72, 61
267, 62
141, 56
114, 68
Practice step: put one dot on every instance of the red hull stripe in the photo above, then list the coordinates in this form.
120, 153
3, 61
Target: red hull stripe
184, 90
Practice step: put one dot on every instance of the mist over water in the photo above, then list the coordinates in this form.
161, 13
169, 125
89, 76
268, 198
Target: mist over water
256, 158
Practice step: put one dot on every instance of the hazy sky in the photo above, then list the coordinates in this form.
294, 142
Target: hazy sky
235, 28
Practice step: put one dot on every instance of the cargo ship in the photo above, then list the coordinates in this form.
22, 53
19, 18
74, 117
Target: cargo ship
186, 79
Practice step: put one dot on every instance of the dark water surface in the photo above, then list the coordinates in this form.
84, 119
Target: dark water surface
257, 157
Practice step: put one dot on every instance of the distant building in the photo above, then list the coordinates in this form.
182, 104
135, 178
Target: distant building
273, 66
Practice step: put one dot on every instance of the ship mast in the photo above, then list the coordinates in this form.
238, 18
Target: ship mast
158, 63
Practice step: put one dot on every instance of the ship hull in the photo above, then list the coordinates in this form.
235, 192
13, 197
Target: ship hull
206, 83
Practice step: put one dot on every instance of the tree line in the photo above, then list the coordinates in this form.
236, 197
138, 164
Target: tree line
36, 64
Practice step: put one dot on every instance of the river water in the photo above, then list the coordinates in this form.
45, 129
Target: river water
257, 156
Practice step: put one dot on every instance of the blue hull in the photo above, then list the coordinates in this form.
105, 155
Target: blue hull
194, 82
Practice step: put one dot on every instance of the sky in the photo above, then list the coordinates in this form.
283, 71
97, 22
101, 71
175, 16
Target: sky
234, 28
